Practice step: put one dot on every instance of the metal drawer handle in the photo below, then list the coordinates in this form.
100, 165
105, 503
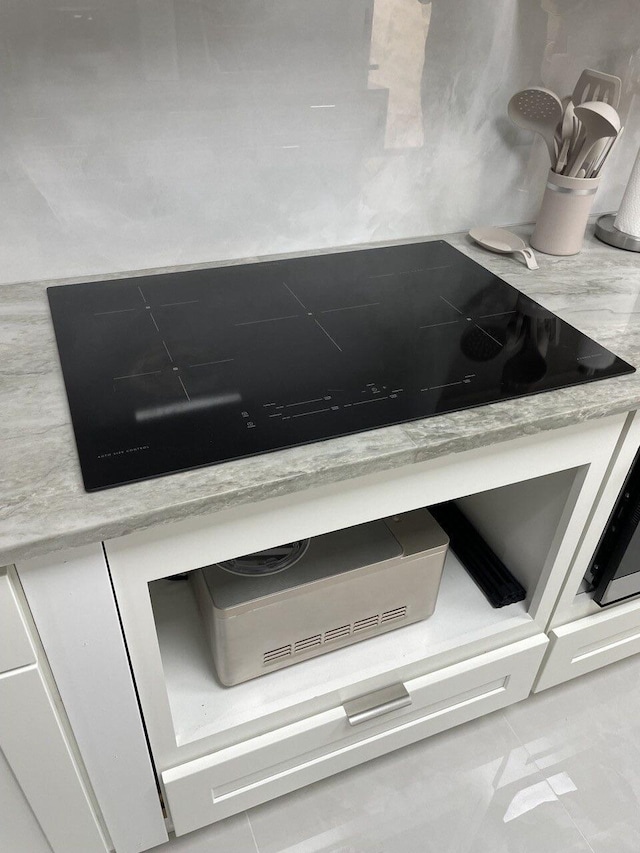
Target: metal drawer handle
376, 704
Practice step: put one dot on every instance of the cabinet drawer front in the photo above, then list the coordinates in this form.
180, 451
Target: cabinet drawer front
590, 643
15, 646
239, 777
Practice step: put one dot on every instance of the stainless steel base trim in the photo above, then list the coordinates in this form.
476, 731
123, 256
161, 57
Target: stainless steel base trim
608, 233
570, 190
376, 704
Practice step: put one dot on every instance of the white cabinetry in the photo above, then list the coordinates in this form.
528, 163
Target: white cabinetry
19, 829
584, 636
71, 600
37, 760
219, 750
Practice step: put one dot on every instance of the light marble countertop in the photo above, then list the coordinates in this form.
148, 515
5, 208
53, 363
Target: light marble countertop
44, 506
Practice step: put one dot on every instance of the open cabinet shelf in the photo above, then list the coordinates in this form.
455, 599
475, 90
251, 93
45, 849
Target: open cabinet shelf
201, 707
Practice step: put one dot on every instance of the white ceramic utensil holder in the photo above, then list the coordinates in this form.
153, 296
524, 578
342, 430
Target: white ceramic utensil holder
564, 213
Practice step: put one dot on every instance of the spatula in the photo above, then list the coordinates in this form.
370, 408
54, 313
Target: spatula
597, 86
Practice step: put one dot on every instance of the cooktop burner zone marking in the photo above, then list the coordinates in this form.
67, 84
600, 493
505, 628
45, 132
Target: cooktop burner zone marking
184, 389
167, 350
327, 334
117, 311
497, 314
445, 323
144, 298
186, 302
452, 306
488, 335
269, 320
154, 321
134, 375
350, 307
221, 361
406, 272
294, 296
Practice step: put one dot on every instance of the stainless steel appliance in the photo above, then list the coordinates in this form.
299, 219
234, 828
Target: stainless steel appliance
614, 574
345, 587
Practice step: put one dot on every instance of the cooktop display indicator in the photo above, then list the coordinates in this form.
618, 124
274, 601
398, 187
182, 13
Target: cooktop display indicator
169, 372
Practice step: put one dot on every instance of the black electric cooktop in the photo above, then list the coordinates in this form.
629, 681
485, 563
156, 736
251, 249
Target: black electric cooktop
169, 372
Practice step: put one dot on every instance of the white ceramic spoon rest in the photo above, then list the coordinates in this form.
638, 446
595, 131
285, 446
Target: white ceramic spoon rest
504, 243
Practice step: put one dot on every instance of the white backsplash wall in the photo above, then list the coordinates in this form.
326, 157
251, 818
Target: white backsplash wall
143, 133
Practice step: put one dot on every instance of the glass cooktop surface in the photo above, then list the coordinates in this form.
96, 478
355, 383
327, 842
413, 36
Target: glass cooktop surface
169, 372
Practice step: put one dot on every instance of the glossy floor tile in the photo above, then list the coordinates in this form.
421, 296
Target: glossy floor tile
587, 732
233, 835
469, 790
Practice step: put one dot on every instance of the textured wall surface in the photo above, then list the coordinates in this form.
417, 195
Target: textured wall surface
141, 133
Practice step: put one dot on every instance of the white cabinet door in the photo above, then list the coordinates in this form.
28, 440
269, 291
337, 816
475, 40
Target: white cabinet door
233, 779
592, 642
19, 830
39, 756
15, 646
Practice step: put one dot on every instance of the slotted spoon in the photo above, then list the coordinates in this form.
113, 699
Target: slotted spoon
539, 110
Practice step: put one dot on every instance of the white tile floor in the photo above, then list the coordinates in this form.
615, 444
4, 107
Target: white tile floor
557, 773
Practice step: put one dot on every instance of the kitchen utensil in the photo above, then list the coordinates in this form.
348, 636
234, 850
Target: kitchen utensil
598, 120
599, 163
568, 129
564, 213
597, 86
539, 110
558, 134
505, 243
596, 152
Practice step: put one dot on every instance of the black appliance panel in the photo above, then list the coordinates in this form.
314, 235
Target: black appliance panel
170, 372
614, 572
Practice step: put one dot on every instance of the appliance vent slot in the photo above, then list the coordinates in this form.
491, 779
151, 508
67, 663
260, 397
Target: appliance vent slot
308, 643
363, 624
336, 633
397, 613
276, 654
